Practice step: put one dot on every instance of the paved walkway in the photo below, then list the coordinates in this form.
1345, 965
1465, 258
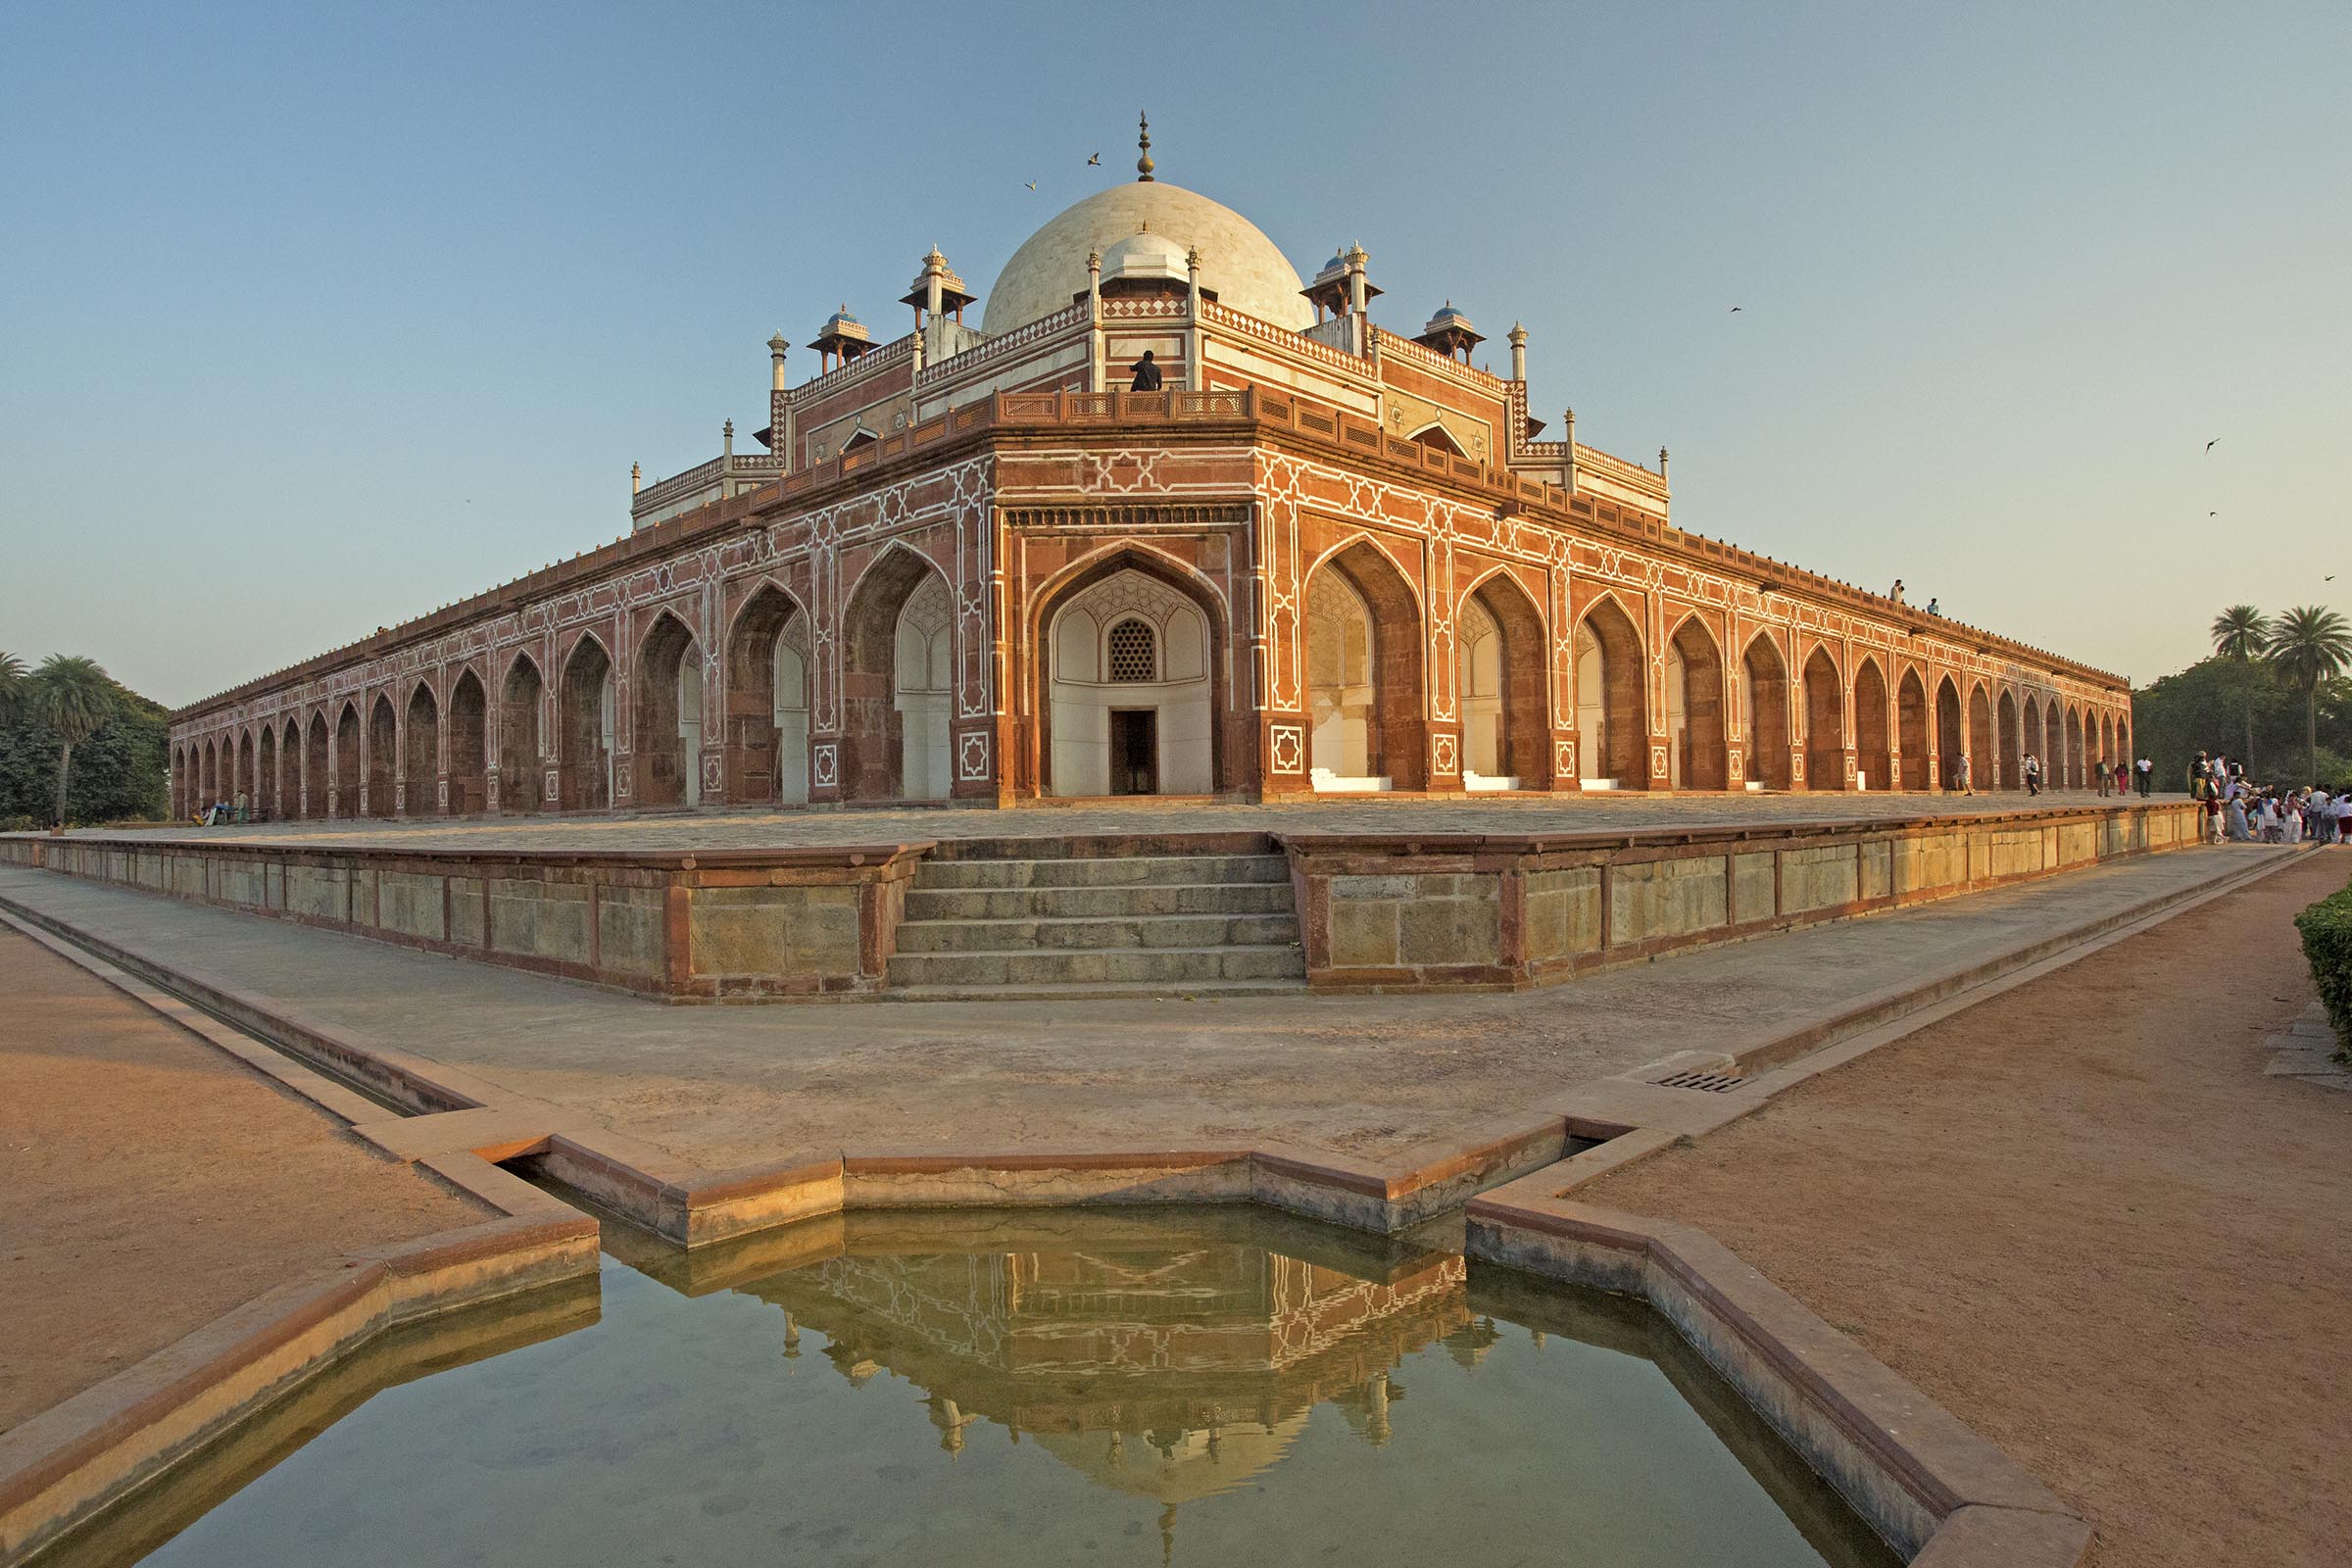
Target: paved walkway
725, 1087
1354, 813
150, 1183
2086, 1218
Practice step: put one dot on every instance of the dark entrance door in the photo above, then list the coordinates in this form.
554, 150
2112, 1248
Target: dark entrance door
1134, 751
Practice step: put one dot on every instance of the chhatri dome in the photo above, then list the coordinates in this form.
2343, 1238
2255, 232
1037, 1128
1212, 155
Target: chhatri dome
1239, 265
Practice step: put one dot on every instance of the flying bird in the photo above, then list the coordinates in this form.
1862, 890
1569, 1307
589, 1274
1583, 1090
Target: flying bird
2210, 445
1098, 158
2213, 513
2330, 578
1032, 184
1734, 309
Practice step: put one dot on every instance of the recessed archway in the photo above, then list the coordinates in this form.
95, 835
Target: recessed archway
208, 779
585, 727
1436, 436
666, 734
2053, 751
469, 746
1874, 757
289, 772
383, 756
1612, 731
1697, 757
768, 699
420, 762
1911, 728
1950, 739
246, 794
316, 773
1767, 713
1364, 674
2075, 765
898, 681
520, 788
265, 794
1500, 679
347, 761
1984, 762
2012, 750
1131, 706
1825, 723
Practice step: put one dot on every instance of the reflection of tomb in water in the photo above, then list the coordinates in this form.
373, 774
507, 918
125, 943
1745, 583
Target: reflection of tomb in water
1174, 1371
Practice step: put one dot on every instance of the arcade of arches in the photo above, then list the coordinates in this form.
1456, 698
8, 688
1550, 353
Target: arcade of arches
1132, 684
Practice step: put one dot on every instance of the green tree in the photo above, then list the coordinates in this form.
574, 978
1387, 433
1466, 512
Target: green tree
12, 685
2307, 646
71, 697
2239, 634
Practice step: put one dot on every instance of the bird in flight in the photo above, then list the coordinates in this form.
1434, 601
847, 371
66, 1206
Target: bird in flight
1734, 309
2210, 445
1096, 158
2330, 578
2213, 513
1032, 184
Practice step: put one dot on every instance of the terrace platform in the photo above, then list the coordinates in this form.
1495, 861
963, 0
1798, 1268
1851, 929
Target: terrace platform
1151, 897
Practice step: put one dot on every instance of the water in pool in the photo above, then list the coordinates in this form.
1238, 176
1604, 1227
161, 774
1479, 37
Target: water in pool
1089, 1387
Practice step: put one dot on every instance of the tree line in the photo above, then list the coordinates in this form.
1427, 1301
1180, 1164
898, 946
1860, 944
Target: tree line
78, 746
2274, 695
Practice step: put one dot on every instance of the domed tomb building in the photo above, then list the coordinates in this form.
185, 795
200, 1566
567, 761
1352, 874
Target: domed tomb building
968, 563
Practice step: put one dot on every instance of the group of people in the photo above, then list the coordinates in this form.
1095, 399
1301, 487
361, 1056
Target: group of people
2240, 812
1896, 594
2117, 777
221, 814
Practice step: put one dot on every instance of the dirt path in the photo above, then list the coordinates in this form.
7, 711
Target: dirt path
2080, 1217
149, 1182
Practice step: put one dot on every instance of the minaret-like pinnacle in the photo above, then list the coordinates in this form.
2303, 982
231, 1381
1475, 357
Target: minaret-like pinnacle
1143, 139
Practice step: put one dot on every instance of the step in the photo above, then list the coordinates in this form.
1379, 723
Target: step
1094, 932
1088, 991
1098, 903
1123, 871
1126, 966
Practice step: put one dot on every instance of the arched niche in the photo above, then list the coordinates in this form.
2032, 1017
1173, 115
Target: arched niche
1613, 734
1874, 757
585, 728
1365, 697
768, 699
1501, 696
1130, 698
1696, 756
668, 734
898, 681
1911, 725
469, 746
1767, 713
519, 743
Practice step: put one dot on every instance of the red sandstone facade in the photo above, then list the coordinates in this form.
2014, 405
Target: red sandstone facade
875, 608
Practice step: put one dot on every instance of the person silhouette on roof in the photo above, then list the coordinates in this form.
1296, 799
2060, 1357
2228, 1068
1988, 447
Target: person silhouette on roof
1147, 374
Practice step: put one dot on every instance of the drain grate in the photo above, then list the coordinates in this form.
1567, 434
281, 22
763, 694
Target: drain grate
1713, 1083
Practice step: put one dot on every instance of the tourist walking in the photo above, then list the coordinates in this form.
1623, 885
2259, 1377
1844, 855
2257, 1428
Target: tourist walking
2100, 776
2033, 774
2147, 776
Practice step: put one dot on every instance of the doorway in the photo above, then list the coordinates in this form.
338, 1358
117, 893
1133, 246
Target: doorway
1135, 751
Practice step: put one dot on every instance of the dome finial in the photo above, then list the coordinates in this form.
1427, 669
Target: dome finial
1143, 139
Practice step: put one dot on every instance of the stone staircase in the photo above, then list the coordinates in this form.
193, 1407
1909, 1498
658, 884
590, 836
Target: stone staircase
1150, 919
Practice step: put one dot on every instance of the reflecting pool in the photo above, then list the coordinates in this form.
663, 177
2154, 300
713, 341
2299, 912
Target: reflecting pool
1197, 1386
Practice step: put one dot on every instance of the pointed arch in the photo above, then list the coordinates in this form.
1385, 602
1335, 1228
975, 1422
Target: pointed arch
265, 775
1697, 756
2075, 767
245, 799
382, 746
348, 760
585, 725
767, 684
1502, 685
1768, 748
1072, 614
468, 730
2053, 750
1873, 755
1435, 435
1951, 739
421, 754
521, 747
1911, 728
206, 777
898, 679
1611, 697
665, 731
317, 775
1366, 695
1983, 756
1824, 722
2006, 737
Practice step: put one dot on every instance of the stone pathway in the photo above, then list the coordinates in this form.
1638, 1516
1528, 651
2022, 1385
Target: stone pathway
723, 1087
2308, 1050
1356, 813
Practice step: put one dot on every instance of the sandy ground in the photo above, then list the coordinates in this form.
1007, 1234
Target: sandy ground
149, 1182
2080, 1217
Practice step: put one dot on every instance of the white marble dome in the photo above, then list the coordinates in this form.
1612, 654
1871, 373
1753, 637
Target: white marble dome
1237, 263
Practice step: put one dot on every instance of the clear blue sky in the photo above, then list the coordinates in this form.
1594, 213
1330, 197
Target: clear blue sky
315, 318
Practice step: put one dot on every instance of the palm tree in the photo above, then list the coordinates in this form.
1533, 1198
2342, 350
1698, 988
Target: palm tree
72, 696
2307, 646
2238, 634
11, 685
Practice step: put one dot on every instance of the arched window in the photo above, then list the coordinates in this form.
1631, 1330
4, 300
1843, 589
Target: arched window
1134, 653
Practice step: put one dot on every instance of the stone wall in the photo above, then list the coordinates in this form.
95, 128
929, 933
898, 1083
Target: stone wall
681, 926
1444, 910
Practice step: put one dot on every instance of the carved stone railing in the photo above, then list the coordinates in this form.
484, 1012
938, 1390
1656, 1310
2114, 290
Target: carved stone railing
1423, 357
865, 364
1005, 345
1280, 337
